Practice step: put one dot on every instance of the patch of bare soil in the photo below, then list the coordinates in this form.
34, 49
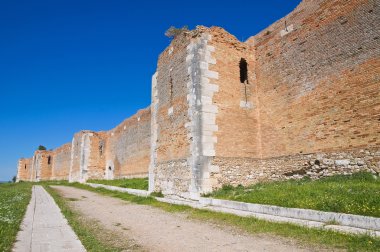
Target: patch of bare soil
157, 230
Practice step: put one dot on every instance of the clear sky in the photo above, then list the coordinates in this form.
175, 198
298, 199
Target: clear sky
68, 65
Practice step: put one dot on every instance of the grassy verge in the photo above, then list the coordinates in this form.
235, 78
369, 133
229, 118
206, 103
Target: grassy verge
354, 194
135, 183
92, 235
314, 237
14, 199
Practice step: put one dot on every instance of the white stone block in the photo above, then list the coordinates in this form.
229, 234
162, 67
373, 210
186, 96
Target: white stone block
208, 146
208, 92
170, 111
210, 48
203, 65
206, 99
206, 36
289, 29
342, 162
190, 46
247, 105
211, 74
189, 57
204, 80
209, 127
210, 59
209, 139
189, 84
206, 175
213, 168
208, 153
210, 87
209, 108
208, 118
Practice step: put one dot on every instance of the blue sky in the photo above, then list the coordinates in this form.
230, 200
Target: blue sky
72, 65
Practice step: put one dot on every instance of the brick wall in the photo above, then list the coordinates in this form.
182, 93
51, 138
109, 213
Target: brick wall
87, 156
42, 165
24, 169
61, 162
318, 85
237, 117
308, 105
318, 96
170, 109
128, 147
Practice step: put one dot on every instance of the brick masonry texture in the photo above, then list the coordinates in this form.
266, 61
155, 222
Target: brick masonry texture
61, 162
301, 98
127, 151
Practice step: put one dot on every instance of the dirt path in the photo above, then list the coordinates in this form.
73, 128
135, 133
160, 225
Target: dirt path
157, 230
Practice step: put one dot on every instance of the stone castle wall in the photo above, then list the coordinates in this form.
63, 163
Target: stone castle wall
90, 154
24, 169
127, 149
318, 83
170, 109
61, 162
301, 98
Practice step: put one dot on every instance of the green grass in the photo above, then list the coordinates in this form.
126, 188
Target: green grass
314, 237
92, 235
354, 194
14, 199
134, 183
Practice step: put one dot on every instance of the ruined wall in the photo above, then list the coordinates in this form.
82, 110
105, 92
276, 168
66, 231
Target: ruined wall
75, 160
246, 171
87, 156
170, 109
24, 169
237, 110
301, 98
42, 165
318, 82
128, 147
96, 159
318, 96
61, 162
45, 164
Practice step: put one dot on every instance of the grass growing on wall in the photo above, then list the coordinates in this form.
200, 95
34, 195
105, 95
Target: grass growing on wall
14, 199
134, 183
353, 194
310, 236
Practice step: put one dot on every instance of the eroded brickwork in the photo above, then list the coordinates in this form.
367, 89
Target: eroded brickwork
246, 171
87, 156
301, 98
61, 162
128, 147
318, 91
41, 166
319, 84
170, 108
24, 169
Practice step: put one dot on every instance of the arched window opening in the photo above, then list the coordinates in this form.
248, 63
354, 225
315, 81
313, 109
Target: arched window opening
49, 160
25, 167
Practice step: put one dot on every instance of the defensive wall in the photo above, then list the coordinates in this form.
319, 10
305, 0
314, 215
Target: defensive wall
301, 98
